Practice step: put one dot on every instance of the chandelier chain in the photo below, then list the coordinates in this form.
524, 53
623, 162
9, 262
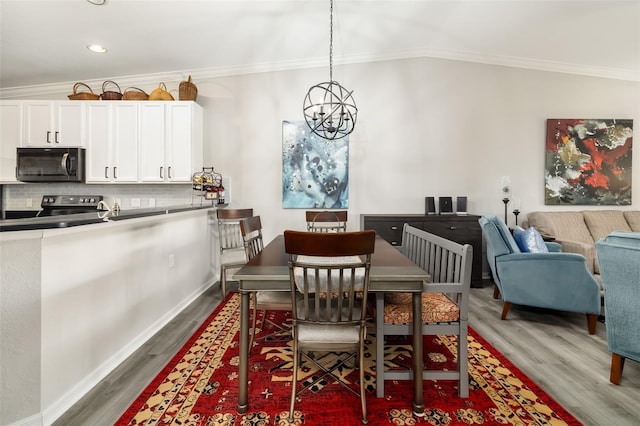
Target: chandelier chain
331, 43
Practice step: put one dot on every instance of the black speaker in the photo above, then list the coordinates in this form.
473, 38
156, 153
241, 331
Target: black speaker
430, 205
446, 205
461, 205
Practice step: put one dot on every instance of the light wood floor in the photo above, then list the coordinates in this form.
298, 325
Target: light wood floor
552, 348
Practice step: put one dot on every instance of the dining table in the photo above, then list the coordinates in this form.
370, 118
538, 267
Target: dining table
391, 271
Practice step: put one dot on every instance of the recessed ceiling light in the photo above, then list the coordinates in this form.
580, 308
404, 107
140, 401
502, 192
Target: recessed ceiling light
97, 2
97, 48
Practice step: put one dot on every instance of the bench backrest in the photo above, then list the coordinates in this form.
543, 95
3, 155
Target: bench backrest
447, 262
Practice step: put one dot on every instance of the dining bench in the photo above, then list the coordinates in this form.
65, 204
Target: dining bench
445, 301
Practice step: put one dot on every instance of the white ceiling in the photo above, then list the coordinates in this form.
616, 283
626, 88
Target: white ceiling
44, 41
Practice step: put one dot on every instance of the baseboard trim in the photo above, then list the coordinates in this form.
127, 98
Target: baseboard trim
35, 420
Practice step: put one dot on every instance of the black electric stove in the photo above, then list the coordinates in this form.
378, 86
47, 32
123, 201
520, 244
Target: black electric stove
57, 205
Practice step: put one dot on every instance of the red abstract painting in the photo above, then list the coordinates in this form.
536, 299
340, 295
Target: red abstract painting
588, 161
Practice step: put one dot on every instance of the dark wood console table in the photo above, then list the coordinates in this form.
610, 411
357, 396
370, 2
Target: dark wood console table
463, 229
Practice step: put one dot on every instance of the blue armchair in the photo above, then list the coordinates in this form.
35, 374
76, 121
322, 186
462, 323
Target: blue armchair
619, 259
553, 280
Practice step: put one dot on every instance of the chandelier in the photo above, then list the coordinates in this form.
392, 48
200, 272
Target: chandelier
329, 109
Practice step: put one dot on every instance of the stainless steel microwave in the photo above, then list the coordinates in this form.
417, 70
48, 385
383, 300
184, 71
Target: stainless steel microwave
51, 165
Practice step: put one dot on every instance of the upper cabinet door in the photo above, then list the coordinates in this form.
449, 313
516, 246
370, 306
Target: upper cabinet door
151, 133
51, 124
179, 142
38, 123
112, 142
10, 137
69, 121
124, 143
98, 142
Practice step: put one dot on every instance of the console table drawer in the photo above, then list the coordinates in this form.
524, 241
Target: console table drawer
391, 231
460, 232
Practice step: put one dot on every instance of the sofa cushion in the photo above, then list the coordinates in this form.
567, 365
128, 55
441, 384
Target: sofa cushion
633, 219
564, 226
569, 229
529, 240
603, 222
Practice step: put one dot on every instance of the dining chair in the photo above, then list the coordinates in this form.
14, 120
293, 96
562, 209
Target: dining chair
326, 221
232, 251
251, 229
330, 274
445, 305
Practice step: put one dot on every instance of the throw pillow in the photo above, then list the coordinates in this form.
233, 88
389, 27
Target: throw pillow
529, 240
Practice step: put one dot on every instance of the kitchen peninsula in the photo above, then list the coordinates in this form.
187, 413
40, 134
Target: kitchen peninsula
79, 296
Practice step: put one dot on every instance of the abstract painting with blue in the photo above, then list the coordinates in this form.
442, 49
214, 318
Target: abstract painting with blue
315, 171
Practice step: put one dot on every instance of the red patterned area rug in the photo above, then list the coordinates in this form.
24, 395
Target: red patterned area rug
200, 385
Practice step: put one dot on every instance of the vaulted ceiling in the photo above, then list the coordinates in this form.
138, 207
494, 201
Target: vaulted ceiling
44, 41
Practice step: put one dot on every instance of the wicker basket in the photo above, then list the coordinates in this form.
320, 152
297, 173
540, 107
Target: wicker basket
134, 94
187, 91
160, 94
111, 95
83, 96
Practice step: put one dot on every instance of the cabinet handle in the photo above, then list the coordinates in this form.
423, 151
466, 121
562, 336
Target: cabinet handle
394, 243
394, 228
161, 177
453, 228
56, 138
115, 172
106, 172
48, 136
169, 172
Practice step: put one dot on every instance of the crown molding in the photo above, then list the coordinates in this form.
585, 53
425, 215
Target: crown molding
203, 74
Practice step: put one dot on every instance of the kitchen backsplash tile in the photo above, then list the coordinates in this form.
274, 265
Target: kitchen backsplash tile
29, 196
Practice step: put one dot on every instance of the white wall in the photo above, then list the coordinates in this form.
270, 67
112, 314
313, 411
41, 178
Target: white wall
426, 127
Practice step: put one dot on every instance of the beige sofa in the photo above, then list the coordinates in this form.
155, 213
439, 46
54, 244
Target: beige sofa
577, 231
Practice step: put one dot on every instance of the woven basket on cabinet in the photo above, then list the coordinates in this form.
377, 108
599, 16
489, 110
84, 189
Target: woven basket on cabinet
187, 91
161, 94
110, 95
134, 94
83, 96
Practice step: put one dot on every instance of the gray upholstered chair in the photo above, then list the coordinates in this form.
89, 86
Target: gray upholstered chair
326, 221
552, 280
619, 259
251, 229
232, 253
445, 305
330, 274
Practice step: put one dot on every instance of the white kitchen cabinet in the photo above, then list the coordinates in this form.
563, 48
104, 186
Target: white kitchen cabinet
170, 141
151, 129
112, 142
10, 137
54, 123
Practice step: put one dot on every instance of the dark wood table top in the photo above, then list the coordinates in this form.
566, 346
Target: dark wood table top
390, 269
